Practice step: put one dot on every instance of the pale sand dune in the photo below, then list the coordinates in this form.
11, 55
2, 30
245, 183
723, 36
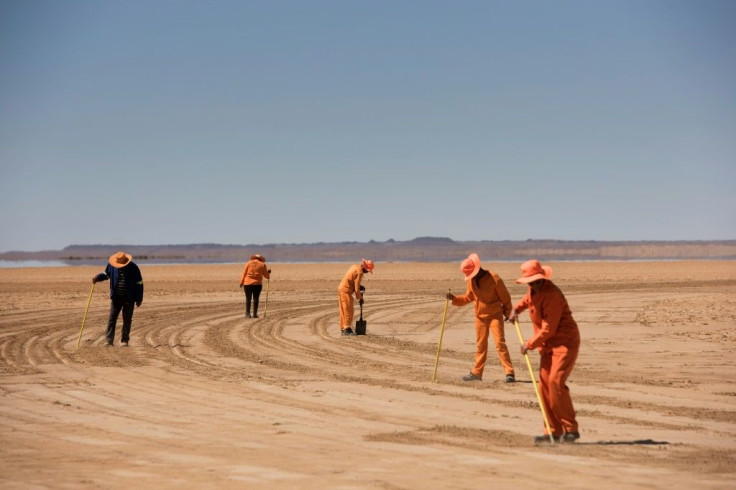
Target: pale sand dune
207, 399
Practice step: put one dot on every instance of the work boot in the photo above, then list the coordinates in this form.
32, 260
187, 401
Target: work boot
510, 378
570, 437
545, 439
472, 377
347, 331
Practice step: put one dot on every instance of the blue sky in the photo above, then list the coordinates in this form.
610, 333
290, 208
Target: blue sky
170, 122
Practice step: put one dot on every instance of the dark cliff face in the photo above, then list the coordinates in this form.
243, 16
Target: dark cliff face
431, 241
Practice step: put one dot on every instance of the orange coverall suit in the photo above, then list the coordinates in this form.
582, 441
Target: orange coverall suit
349, 284
557, 337
492, 303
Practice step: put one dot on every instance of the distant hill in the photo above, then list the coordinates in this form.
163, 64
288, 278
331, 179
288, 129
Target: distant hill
420, 249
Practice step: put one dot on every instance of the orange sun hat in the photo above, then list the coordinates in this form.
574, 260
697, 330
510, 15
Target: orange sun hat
470, 266
531, 270
120, 260
367, 265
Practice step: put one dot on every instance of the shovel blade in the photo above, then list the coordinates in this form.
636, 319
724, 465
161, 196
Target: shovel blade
360, 327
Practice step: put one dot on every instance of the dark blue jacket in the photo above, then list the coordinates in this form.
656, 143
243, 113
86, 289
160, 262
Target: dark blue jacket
133, 281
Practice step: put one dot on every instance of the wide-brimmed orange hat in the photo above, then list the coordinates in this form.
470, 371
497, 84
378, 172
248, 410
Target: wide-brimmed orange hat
258, 257
531, 270
470, 266
367, 265
120, 259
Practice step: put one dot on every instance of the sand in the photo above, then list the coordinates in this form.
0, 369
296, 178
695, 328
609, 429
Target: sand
206, 398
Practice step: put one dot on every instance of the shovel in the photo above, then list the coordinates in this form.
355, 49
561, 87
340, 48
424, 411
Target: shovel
360, 324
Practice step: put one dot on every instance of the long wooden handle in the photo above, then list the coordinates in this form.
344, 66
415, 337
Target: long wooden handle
265, 307
442, 331
534, 383
85, 314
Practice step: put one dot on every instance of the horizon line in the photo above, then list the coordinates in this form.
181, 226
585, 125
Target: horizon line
447, 240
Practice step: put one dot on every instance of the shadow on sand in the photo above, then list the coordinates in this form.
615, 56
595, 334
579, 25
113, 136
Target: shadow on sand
639, 442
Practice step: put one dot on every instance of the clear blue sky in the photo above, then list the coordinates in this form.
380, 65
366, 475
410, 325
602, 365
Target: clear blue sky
169, 122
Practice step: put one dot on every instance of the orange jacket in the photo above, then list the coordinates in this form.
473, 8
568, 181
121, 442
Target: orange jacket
351, 282
254, 272
492, 299
551, 317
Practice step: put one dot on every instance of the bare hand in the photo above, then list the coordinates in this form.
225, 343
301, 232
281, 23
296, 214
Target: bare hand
513, 317
523, 349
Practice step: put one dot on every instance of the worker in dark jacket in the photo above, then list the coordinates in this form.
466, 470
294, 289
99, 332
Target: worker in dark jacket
126, 291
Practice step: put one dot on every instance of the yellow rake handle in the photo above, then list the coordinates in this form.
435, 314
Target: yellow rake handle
265, 307
442, 331
534, 383
85, 314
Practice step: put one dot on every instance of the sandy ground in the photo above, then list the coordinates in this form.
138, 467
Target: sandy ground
205, 398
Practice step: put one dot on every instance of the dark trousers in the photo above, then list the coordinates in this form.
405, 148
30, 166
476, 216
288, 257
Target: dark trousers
116, 305
252, 291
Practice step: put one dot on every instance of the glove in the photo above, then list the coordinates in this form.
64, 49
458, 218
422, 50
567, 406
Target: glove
269, 271
450, 296
360, 302
362, 288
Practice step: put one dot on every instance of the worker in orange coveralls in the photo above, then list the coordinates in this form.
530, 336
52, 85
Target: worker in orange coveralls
252, 281
351, 284
557, 338
492, 305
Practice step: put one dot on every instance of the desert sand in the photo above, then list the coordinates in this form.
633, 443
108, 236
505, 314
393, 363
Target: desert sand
206, 398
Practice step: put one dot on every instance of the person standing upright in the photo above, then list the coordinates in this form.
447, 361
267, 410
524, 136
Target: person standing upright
557, 337
126, 292
492, 305
351, 284
252, 282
